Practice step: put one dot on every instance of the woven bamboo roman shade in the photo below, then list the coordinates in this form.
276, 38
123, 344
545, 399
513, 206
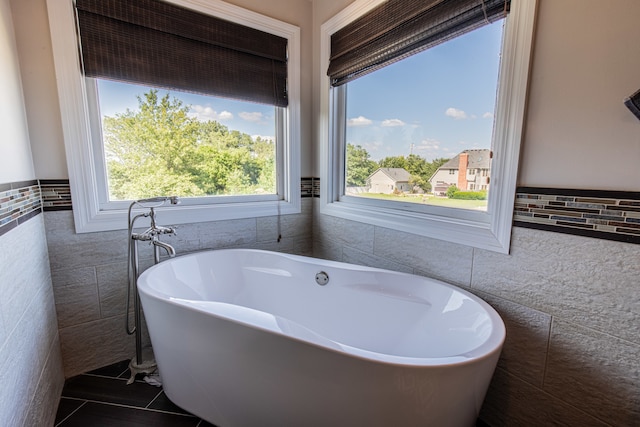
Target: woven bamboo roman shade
397, 29
158, 44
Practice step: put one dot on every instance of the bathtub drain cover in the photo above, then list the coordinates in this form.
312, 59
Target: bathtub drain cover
322, 278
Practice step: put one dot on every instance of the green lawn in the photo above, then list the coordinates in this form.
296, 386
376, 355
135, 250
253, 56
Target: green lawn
429, 200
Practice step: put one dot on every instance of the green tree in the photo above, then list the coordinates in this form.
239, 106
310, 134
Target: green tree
148, 150
359, 166
394, 162
159, 149
452, 190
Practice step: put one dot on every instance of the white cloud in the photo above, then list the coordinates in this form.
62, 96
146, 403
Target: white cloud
455, 113
429, 148
372, 146
202, 113
359, 121
428, 144
225, 115
254, 117
487, 115
392, 123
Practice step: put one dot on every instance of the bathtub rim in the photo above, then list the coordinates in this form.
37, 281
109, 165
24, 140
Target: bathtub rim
490, 348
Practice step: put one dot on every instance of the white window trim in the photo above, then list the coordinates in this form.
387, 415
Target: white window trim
74, 107
487, 230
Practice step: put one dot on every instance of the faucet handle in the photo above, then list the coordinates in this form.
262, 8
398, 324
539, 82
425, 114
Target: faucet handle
164, 230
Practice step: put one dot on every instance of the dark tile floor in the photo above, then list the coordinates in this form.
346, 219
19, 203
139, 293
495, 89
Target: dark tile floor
102, 398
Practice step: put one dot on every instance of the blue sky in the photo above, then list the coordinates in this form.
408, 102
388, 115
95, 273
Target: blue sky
253, 119
434, 104
441, 100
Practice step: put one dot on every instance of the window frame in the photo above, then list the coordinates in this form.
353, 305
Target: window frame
79, 112
487, 230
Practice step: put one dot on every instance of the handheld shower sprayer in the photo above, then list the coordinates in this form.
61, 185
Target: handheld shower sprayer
151, 235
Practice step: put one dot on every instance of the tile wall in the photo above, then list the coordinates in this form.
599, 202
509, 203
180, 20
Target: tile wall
89, 272
570, 301
31, 376
571, 305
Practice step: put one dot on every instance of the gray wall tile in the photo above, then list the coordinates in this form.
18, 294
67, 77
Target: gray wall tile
3, 331
290, 225
354, 256
76, 304
284, 245
352, 233
525, 349
44, 405
586, 281
112, 287
25, 271
70, 250
228, 233
95, 344
73, 276
303, 245
594, 372
441, 260
29, 326
327, 249
514, 402
23, 356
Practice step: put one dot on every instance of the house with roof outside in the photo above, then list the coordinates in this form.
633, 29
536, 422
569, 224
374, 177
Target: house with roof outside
389, 180
469, 171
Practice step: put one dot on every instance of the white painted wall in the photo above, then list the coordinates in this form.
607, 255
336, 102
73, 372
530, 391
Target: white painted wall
40, 90
586, 61
14, 140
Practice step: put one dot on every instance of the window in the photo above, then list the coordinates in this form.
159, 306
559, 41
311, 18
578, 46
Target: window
487, 227
202, 146
262, 175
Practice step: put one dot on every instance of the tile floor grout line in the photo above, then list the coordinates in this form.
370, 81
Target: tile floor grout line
154, 399
121, 405
122, 373
72, 412
109, 378
101, 376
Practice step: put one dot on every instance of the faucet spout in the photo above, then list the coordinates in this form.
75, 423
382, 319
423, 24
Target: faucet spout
167, 247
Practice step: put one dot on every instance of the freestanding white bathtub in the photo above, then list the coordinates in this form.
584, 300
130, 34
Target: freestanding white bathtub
249, 338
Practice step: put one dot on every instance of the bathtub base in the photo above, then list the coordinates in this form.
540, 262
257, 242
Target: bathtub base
248, 377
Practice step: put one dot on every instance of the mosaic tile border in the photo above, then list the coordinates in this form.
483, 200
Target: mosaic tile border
56, 194
309, 187
610, 215
19, 202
